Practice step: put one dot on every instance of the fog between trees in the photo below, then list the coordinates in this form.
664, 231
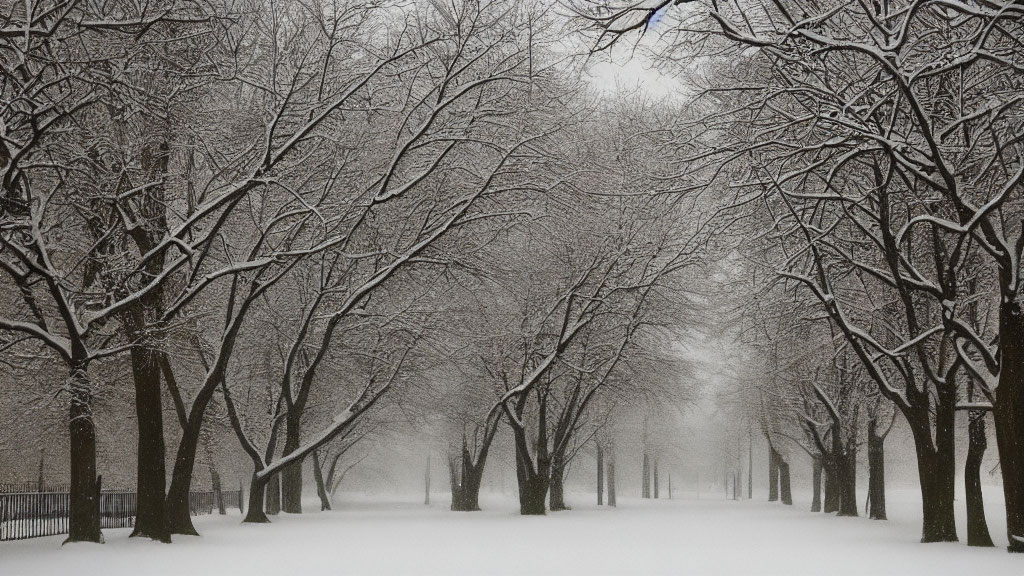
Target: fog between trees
261, 240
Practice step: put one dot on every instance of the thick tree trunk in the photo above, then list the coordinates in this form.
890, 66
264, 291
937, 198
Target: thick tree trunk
84, 516
256, 515
876, 472
816, 486
785, 493
611, 479
831, 487
773, 475
936, 470
1008, 411
291, 476
151, 476
273, 497
977, 526
533, 487
466, 495
556, 499
846, 475
600, 476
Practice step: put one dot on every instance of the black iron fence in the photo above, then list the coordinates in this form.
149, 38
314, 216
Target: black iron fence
34, 513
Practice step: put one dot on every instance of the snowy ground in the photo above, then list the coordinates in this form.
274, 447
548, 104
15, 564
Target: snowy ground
682, 536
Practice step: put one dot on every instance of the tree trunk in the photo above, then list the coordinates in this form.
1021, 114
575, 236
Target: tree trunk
533, 486
179, 518
84, 516
218, 493
750, 466
151, 476
846, 474
1008, 412
611, 479
426, 483
785, 494
831, 486
556, 500
816, 486
655, 474
936, 470
256, 514
273, 498
600, 476
291, 476
645, 478
876, 472
977, 526
773, 475
321, 488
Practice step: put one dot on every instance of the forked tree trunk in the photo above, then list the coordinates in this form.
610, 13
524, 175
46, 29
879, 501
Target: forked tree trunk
816, 485
179, 517
876, 472
256, 514
600, 476
977, 526
1008, 412
773, 475
84, 516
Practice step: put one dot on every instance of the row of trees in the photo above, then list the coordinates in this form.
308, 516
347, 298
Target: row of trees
274, 215
874, 152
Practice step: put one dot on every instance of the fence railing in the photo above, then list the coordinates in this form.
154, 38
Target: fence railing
30, 514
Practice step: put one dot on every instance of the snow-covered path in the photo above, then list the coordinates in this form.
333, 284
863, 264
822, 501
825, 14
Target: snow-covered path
683, 536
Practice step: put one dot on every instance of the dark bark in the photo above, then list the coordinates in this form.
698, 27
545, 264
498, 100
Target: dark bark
291, 476
876, 472
600, 476
256, 514
773, 475
831, 503
816, 486
151, 477
321, 488
84, 516
1008, 412
977, 526
179, 516
785, 493
654, 473
273, 495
